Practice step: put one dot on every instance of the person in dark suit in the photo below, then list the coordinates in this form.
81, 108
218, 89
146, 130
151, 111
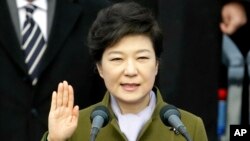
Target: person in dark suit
25, 106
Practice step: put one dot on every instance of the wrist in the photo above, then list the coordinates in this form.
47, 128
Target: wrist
49, 138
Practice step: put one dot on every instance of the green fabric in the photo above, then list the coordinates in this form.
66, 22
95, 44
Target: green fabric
154, 130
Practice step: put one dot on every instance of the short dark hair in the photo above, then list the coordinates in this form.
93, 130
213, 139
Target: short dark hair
119, 20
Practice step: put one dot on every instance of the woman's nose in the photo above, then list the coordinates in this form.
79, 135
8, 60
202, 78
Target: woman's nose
130, 68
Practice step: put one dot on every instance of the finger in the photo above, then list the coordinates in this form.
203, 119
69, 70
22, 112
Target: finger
59, 95
65, 93
71, 97
75, 114
53, 102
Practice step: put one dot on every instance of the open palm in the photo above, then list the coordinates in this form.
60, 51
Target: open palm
63, 116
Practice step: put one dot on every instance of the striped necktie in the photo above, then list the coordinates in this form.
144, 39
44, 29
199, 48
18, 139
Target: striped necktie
33, 44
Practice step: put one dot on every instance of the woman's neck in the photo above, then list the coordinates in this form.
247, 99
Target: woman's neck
133, 108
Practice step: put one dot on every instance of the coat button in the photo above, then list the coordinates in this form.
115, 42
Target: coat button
34, 112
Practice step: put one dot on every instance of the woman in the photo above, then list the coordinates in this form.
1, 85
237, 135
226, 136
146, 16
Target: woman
125, 42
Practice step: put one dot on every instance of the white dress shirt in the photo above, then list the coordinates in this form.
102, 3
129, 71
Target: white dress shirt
39, 15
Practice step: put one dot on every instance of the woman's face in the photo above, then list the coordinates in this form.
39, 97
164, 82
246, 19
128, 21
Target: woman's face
129, 68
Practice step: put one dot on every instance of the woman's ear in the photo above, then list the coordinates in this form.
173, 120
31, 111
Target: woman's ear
99, 68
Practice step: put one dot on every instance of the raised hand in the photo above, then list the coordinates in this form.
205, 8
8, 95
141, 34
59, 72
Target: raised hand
63, 116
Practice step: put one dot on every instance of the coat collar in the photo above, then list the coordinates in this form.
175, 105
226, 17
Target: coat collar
155, 116
159, 103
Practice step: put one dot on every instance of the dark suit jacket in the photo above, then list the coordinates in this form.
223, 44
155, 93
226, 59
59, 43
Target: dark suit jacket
24, 108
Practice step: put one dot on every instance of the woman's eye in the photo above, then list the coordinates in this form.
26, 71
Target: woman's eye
143, 58
115, 59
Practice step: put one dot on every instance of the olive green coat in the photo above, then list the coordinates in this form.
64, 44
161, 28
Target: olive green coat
154, 130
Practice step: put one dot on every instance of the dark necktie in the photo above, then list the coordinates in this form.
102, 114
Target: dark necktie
33, 44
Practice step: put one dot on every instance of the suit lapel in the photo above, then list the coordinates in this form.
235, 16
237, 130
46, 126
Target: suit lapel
8, 38
66, 15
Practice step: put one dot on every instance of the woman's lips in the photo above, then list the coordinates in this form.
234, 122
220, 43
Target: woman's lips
130, 86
